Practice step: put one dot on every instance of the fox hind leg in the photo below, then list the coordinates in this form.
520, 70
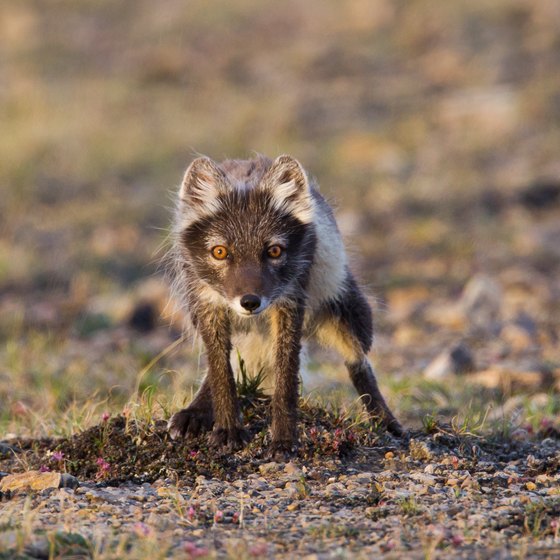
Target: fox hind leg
346, 326
363, 378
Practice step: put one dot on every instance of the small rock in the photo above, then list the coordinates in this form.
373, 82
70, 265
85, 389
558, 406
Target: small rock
269, 468
32, 480
143, 317
541, 194
456, 361
68, 481
335, 489
482, 301
423, 478
293, 470
516, 336
6, 449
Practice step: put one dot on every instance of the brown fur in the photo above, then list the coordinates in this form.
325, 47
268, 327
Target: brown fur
308, 291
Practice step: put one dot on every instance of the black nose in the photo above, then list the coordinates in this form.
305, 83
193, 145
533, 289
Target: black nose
250, 302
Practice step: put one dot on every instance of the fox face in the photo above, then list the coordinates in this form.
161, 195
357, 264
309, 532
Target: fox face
249, 238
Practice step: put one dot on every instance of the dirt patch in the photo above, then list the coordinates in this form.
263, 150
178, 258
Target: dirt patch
121, 449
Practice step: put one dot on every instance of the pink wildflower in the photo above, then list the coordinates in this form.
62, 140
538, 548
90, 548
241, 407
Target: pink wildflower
258, 550
58, 455
457, 540
194, 551
103, 467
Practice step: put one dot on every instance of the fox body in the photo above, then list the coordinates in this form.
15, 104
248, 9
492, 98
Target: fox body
260, 265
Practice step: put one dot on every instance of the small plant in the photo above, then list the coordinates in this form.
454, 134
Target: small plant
472, 424
249, 388
103, 469
536, 518
409, 506
302, 488
429, 423
333, 531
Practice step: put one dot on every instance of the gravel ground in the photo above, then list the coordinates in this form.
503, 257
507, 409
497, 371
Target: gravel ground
434, 495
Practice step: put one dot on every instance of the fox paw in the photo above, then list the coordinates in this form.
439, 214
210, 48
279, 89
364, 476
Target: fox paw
395, 428
190, 422
228, 440
282, 451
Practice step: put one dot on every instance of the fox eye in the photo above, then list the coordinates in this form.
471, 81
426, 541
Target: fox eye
274, 251
219, 252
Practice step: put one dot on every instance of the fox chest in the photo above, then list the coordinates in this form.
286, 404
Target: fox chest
254, 341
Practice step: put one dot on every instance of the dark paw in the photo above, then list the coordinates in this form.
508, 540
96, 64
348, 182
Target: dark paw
282, 451
190, 422
394, 428
228, 440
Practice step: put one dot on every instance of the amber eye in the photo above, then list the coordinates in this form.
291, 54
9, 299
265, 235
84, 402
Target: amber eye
274, 251
219, 252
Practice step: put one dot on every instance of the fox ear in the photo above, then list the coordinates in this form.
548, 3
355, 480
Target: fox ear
287, 181
201, 182
198, 195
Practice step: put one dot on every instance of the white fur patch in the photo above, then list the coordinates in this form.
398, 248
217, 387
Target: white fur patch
210, 295
289, 186
329, 262
301, 208
199, 191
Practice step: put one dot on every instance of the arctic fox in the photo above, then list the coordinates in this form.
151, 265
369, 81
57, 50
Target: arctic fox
260, 265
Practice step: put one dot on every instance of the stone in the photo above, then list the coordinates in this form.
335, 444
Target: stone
457, 360
68, 481
516, 337
482, 301
293, 471
37, 480
269, 468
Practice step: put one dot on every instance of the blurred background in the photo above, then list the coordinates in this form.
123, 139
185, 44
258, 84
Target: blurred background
432, 126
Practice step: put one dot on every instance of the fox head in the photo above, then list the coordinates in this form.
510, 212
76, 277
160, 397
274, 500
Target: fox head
246, 229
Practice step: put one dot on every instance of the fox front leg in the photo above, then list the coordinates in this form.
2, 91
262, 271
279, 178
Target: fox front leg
227, 435
287, 324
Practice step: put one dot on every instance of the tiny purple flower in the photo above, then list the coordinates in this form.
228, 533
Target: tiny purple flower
58, 455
